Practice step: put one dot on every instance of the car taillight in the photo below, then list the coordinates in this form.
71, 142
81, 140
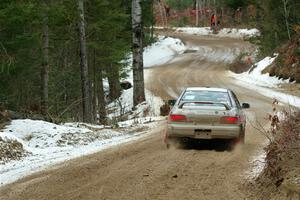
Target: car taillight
177, 118
229, 120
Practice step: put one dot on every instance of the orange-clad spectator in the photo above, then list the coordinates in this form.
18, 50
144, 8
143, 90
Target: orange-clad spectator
213, 20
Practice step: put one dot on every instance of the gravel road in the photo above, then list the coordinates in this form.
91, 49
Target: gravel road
146, 169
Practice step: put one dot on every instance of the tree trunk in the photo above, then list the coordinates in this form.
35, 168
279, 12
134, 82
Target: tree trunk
161, 9
137, 53
286, 16
152, 20
94, 87
114, 82
45, 64
86, 101
197, 12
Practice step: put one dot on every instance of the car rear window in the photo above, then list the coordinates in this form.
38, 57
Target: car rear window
206, 96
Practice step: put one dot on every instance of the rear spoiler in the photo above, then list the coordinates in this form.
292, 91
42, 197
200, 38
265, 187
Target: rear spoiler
205, 102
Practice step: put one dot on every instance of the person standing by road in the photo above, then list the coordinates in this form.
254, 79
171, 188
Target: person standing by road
213, 21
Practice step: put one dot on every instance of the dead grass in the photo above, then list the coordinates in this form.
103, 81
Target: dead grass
11, 150
279, 179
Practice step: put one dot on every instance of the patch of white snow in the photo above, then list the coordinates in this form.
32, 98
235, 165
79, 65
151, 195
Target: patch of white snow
224, 32
263, 83
49, 144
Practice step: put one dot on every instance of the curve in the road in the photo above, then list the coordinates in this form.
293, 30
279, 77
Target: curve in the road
146, 169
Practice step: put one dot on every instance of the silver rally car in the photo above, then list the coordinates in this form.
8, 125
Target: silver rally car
207, 113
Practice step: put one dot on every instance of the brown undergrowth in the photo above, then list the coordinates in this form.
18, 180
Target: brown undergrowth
280, 178
287, 64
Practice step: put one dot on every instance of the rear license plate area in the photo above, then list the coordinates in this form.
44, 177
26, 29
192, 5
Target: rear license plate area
202, 133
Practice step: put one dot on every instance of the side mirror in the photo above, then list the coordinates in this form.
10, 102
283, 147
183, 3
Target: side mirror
245, 105
171, 102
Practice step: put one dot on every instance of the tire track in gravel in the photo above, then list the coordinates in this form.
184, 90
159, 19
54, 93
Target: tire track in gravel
145, 169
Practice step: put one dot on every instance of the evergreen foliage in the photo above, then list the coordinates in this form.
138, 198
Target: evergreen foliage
274, 27
235, 4
180, 4
108, 36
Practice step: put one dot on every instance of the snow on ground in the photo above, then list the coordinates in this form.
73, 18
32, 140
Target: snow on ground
224, 32
263, 83
257, 165
162, 51
271, 93
124, 105
254, 79
158, 53
254, 76
49, 144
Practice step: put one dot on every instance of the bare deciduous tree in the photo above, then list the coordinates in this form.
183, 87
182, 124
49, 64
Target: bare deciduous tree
137, 53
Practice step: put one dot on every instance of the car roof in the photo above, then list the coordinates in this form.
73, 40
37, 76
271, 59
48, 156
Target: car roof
206, 89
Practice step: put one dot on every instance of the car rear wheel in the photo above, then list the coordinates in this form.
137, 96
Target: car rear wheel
239, 140
242, 137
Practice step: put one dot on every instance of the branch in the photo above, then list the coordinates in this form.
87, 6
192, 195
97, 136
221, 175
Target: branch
71, 105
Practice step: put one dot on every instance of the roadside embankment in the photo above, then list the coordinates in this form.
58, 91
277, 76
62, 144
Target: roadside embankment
280, 178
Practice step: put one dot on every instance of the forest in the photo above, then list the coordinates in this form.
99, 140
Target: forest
41, 54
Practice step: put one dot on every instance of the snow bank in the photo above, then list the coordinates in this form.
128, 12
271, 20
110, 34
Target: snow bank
162, 51
263, 83
257, 163
124, 105
271, 93
49, 144
159, 53
254, 76
224, 32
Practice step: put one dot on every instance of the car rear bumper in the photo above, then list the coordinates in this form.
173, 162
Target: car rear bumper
204, 131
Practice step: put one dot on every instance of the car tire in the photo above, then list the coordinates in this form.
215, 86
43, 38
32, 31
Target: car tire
168, 146
242, 137
239, 140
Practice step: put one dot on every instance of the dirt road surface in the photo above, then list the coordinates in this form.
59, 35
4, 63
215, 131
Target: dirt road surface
146, 169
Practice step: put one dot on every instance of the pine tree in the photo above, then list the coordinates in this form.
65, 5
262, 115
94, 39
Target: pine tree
86, 101
45, 64
37, 34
